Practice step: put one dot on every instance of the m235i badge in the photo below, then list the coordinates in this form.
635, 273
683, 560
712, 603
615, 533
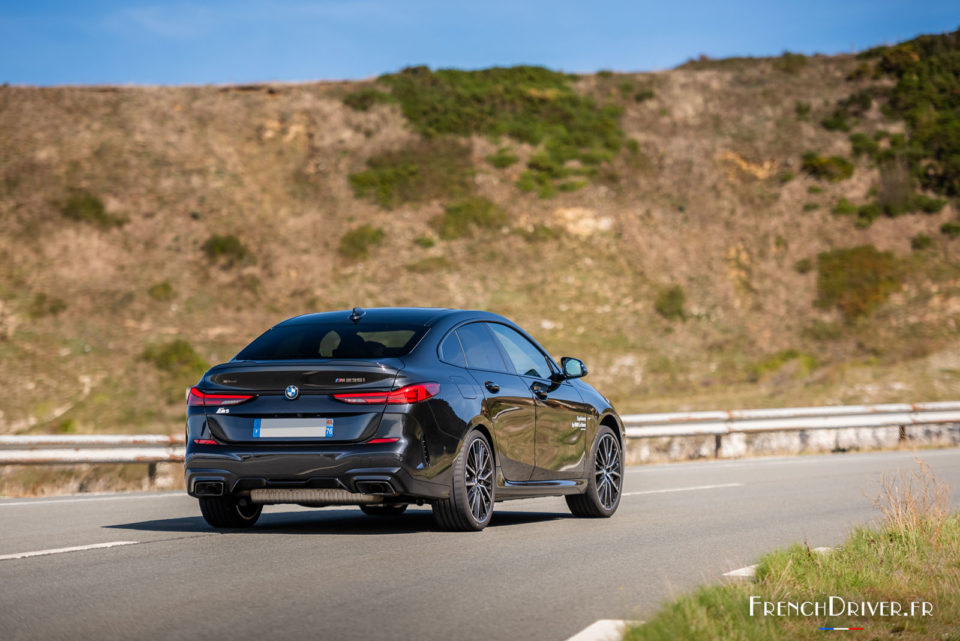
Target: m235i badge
223, 410
355, 379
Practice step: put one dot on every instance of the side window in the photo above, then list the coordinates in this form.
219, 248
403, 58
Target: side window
451, 352
528, 360
479, 348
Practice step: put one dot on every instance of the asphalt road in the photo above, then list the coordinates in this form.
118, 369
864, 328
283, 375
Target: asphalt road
534, 573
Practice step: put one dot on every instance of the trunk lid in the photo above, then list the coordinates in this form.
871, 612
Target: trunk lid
312, 415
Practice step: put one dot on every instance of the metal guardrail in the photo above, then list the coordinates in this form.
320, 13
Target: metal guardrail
152, 448
42, 449
721, 423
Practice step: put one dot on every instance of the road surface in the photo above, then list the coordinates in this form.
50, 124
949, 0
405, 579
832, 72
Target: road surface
535, 573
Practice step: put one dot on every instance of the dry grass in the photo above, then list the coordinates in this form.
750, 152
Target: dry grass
913, 500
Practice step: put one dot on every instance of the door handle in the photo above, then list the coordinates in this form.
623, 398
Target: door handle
493, 387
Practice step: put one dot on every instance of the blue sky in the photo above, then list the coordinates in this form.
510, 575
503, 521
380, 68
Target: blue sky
126, 41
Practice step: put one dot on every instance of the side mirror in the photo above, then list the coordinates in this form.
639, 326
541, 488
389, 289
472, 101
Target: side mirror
573, 367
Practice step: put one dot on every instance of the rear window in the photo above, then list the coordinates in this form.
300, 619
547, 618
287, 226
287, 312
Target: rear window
305, 341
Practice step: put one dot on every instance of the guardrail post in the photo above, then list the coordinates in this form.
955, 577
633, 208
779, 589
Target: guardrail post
151, 473
717, 444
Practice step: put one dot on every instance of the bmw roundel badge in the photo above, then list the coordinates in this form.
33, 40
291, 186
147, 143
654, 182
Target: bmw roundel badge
292, 392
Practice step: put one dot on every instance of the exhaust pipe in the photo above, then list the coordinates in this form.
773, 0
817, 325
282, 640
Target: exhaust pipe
208, 488
379, 488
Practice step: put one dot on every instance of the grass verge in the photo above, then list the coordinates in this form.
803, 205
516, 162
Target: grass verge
913, 556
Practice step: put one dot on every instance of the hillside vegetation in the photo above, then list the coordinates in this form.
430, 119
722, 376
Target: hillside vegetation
731, 233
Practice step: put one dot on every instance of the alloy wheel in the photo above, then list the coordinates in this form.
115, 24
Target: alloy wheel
478, 477
607, 472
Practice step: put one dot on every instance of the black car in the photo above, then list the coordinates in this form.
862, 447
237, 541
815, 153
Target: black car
385, 407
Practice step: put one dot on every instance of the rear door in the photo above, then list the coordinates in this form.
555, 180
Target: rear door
310, 413
508, 401
561, 414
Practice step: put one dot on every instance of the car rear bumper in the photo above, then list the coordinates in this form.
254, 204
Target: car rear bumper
381, 469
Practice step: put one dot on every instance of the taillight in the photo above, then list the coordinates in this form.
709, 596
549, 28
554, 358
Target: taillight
409, 394
202, 399
377, 441
205, 441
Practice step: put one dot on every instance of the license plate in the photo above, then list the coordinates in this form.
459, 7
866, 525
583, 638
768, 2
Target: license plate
302, 428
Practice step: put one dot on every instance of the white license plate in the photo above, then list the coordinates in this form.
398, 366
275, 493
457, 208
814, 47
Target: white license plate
293, 428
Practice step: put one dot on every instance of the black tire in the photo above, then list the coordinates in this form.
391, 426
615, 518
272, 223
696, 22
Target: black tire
470, 505
606, 479
384, 510
227, 512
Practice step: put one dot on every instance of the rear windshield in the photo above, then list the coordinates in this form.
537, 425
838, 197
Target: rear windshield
305, 341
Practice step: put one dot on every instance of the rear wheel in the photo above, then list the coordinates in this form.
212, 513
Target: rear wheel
470, 505
227, 512
384, 510
606, 479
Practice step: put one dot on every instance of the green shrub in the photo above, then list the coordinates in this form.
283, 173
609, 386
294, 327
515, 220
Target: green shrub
363, 99
84, 207
950, 229
176, 357
811, 206
814, 189
802, 109
920, 242
670, 302
424, 241
790, 62
425, 170
866, 214
803, 266
863, 145
429, 265
503, 158
643, 95
786, 176
228, 250
844, 208
856, 280
927, 97
357, 242
529, 104
162, 291
461, 218
42, 305
571, 185
835, 122
832, 168
927, 205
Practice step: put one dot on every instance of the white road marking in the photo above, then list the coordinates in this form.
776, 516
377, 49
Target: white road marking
684, 489
742, 573
603, 630
113, 497
751, 570
78, 548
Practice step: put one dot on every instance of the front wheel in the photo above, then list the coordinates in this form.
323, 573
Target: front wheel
227, 512
470, 505
606, 479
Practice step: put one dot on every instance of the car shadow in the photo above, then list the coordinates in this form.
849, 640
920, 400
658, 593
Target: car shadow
349, 522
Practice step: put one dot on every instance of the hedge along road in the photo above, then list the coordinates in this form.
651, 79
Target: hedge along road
146, 566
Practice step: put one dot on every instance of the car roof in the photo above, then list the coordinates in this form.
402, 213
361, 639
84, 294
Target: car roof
413, 315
